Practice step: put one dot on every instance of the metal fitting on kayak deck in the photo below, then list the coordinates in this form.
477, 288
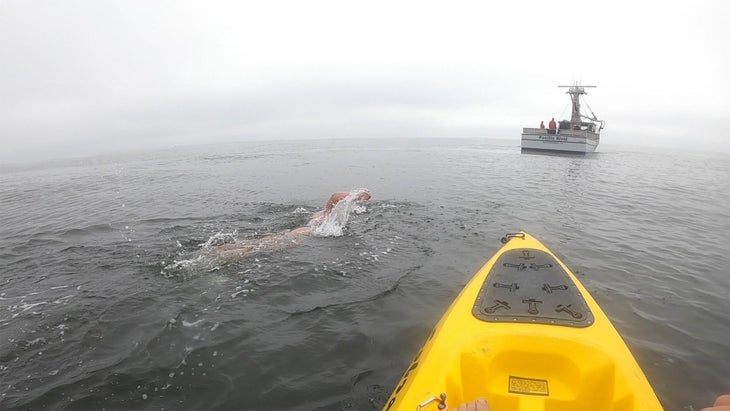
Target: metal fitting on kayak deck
441, 401
510, 236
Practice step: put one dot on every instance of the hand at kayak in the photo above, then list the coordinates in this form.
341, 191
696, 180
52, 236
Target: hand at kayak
722, 403
478, 405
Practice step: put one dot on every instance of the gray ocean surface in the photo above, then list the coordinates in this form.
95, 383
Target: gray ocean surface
94, 314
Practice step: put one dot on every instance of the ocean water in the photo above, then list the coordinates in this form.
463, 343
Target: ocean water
103, 304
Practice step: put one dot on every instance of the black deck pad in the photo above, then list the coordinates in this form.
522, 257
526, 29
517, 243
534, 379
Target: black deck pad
530, 286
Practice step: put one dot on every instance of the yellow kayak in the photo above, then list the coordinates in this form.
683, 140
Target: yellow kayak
524, 334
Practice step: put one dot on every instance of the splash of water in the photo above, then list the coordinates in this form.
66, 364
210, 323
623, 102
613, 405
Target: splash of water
220, 238
192, 263
186, 269
334, 222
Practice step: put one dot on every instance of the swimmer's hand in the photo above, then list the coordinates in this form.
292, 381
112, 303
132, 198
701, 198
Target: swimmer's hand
478, 405
722, 403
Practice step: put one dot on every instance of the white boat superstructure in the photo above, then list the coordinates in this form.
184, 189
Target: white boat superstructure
579, 135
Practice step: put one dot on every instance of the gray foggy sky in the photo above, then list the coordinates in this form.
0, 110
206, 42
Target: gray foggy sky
81, 77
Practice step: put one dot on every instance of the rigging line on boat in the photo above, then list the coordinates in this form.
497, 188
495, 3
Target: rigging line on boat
595, 118
589, 109
565, 109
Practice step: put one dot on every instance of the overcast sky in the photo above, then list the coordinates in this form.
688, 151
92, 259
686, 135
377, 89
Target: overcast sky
80, 77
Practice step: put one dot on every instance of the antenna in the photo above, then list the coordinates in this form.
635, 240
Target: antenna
575, 92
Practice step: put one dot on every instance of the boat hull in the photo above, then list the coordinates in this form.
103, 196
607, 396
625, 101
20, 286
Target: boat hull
564, 141
525, 335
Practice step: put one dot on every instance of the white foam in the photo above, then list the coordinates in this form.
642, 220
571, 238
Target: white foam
184, 263
237, 293
24, 307
39, 340
191, 324
220, 238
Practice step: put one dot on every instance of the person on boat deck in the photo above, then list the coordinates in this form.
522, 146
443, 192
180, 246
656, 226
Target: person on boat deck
542, 124
272, 242
552, 126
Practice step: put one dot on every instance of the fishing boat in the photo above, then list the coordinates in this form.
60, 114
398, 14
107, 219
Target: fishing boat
580, 134
524, 334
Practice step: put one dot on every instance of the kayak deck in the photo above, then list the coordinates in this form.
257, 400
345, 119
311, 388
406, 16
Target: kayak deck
525, 335
530, 286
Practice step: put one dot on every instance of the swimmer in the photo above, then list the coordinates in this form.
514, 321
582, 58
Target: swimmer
272, 242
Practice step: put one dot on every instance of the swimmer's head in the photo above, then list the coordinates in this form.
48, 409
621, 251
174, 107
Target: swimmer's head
364, 196
361, 195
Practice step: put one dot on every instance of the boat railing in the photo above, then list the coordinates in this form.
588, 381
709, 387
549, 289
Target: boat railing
564, 132
530, 130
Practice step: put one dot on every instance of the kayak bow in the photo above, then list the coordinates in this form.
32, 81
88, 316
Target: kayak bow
525, 335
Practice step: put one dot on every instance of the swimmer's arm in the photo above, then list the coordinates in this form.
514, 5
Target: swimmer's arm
334, 199
230, 246
362, 195
268, 243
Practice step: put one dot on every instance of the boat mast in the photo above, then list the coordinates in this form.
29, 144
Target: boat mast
575, 92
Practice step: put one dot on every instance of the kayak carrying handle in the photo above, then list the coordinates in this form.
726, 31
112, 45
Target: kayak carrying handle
510, 236
441, 400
